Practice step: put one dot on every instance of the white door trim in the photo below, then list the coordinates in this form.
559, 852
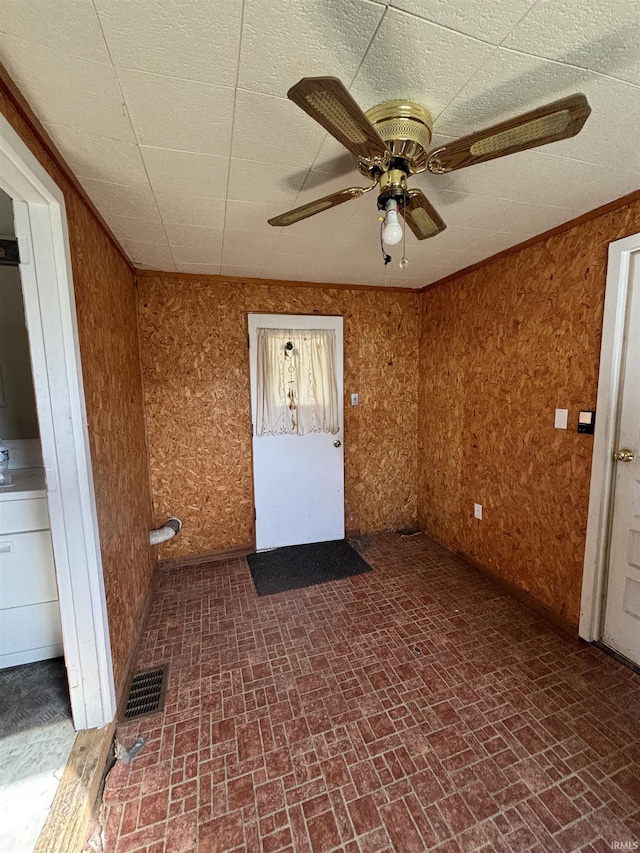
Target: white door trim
45, 269
308, 506
600, 494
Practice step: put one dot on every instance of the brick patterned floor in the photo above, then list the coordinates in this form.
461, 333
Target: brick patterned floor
412, 708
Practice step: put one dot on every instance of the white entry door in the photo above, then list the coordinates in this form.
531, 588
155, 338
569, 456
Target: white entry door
298, 479
621, 629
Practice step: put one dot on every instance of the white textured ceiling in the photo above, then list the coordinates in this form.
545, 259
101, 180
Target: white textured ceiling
173, 114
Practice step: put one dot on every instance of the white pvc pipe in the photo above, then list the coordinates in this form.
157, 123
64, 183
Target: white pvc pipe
167, 531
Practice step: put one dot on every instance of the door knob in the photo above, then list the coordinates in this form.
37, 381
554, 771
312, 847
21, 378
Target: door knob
337, 443
624, 455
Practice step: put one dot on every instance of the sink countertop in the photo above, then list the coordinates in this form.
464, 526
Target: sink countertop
27, 483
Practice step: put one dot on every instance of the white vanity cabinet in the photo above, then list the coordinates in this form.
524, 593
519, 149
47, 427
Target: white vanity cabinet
29, 611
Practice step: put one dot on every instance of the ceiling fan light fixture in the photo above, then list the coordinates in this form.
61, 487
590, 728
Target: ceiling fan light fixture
391, 229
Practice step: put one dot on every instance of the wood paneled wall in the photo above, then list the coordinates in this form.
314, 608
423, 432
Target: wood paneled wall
196, 383
501, 348
107, 327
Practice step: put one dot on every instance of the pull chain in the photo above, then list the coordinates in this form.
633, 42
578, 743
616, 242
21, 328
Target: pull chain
404, 263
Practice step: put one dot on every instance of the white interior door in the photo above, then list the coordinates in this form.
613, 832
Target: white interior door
298, 479
621, 629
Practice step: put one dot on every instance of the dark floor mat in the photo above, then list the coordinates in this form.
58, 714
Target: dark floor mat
304, 565
33, 695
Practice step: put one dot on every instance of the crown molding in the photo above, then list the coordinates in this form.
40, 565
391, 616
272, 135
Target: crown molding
272, 282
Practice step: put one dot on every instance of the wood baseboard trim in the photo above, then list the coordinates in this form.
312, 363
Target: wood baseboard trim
530, 602
121, 689
76, 799
211, 557
524, 597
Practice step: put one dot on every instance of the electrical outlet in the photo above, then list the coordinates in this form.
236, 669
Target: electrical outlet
477, 511
355, 399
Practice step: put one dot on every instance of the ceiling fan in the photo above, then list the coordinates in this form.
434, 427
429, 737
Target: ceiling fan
390, 143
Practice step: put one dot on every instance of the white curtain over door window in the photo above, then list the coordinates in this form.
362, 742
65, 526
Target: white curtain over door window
296, 382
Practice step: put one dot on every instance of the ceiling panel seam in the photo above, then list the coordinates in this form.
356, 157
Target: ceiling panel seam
233, 123
519, 21
444, 27
133, 129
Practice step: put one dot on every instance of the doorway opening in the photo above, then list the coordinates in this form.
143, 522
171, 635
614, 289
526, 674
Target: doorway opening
36, 726
49, 306
29, 610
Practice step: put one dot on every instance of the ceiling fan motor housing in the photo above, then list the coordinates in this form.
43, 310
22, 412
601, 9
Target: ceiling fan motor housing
406, 127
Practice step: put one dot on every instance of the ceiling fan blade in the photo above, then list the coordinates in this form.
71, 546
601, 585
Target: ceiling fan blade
559, 120
317, 206
328, 101
421, 216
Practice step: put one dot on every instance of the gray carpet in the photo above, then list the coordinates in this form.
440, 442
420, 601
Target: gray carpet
33, 695
298, 566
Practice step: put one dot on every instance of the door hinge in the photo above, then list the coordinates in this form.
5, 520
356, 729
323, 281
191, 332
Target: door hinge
248, 341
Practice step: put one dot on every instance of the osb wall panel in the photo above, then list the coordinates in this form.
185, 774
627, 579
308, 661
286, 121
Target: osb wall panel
501, 348
107, 327
196, 383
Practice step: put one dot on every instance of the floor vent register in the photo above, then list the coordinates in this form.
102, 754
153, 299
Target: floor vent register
147, 692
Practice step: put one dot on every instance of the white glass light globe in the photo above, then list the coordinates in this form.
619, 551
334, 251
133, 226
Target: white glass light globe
391, 230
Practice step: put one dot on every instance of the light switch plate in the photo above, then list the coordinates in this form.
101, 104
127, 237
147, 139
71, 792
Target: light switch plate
562, 416
477, 511
355, 399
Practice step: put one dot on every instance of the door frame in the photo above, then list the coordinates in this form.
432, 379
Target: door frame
594, 577
47, 285
252, 376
